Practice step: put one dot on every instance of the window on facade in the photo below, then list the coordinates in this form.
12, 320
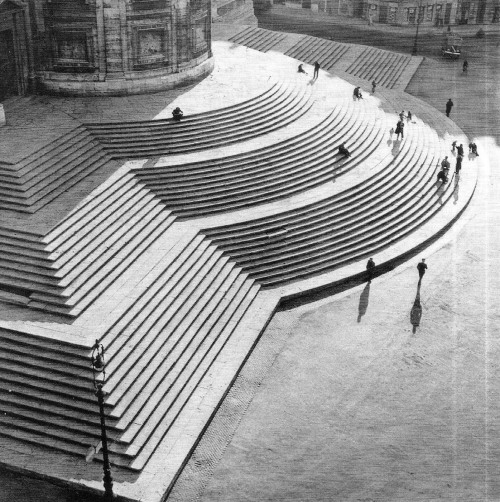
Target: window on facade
430, 12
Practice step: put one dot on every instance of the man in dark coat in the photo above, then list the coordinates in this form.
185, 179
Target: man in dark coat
449, 106
177, 114
370, 266
316, 69
421, 267
400, 130
460, 150
458, 165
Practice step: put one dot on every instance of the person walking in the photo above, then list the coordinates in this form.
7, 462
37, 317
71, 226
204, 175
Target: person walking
374, 86
449, 106
400, 130
460, 150
465, 66
458, 165
421, 267
453, 146
370, 267
316, 70
409, 116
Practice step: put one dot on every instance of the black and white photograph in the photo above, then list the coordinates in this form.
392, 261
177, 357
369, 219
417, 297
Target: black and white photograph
248, 251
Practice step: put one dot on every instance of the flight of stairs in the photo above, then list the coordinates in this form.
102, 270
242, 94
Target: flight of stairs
294, 165
258, 39
312, 49
276, 107
382, 66
347, 227
65, 270
43, 176
158, 351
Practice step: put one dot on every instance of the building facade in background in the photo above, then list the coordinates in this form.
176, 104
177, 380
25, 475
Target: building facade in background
404, 12
433, 12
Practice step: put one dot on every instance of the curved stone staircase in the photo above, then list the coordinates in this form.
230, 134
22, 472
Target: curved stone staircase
294, 165
276, 107
346, 227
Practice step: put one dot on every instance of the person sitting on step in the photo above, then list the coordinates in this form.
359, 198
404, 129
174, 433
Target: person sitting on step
301, 69
177, 114
344, 151
445, 165
357, 93
442, 177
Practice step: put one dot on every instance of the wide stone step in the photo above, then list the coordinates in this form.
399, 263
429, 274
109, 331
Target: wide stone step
173, 268
189, 386
187, 293
241, 239
193, 119
171, 360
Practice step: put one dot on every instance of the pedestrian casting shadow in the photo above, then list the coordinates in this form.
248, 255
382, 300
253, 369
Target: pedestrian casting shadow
440, 191
455, 191
416, 310
363, 301
395, 147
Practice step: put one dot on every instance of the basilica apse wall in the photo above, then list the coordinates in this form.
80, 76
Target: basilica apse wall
116, 47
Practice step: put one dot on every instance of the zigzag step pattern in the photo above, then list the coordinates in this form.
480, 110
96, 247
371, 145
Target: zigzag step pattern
66, 270
174, 332
49, 172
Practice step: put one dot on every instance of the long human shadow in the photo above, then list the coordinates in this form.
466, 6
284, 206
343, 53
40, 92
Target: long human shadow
363, 301
416, 310
457, 187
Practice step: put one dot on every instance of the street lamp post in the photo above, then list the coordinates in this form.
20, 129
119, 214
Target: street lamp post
415, 43
99, 368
